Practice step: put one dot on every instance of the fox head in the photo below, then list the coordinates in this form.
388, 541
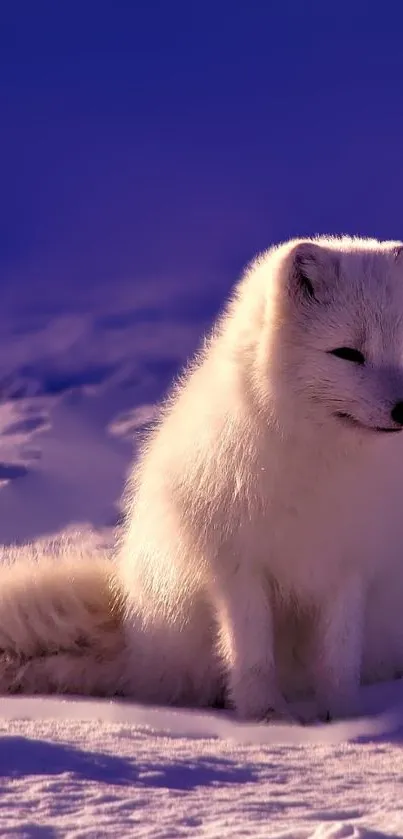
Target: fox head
332, 334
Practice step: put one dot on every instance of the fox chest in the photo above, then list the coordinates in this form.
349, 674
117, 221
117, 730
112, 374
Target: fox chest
307, 534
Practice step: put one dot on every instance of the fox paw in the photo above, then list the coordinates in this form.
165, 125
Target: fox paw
280, 716
343, 709
278, 713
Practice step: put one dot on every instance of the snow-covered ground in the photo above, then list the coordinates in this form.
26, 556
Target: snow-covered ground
78, 381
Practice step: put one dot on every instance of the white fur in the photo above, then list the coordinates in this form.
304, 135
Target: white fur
261, 559
60, 621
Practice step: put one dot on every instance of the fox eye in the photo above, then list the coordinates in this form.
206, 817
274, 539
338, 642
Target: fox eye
348, 354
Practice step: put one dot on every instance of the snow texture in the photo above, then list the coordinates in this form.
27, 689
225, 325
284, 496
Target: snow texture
76, 389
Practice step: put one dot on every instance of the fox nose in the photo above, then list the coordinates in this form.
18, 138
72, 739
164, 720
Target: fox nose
397, 413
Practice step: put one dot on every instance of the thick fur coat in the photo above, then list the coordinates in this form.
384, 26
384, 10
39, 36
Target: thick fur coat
261, 558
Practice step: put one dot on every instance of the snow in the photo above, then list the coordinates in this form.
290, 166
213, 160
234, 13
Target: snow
87, 769
78, 384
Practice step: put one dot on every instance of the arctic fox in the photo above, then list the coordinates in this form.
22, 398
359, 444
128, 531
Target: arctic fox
261, 558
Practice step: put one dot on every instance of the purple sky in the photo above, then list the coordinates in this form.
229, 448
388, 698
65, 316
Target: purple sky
174, 139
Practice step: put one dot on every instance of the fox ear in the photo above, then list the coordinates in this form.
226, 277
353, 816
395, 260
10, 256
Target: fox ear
312, 270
